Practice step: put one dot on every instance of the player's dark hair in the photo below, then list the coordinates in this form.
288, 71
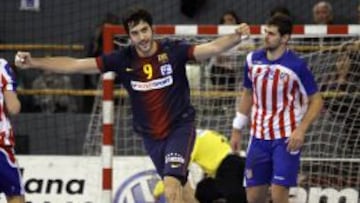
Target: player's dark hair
282, 22
134, 16
279, 10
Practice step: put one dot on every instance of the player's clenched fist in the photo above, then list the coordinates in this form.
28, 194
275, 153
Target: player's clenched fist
243, 30
23, 60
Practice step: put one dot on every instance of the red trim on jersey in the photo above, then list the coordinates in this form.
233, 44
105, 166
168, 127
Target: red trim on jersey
3, 89
263, 101
191, 52
1, 112
9, 153
292, 106
99, 63
255, 100
11, 137
249, 74
285, 103
274, 103
4, 83
2, 138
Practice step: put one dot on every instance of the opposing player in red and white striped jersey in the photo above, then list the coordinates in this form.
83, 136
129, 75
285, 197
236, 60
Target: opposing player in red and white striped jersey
281, 99
10, 180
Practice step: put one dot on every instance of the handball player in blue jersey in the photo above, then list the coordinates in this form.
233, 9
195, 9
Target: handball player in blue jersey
282, 100
153, 73
10, 179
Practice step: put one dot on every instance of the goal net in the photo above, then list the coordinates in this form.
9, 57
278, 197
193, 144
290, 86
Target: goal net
331, 155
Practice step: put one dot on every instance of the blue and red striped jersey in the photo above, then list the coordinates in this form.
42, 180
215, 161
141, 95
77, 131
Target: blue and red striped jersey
157, 85
280, 93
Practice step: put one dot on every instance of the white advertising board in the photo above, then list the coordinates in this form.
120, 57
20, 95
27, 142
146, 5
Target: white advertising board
70, 179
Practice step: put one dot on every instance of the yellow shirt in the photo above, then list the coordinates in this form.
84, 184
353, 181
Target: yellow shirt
209, 150
158, 189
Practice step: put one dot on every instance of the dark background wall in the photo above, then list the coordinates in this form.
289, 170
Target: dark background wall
72, 21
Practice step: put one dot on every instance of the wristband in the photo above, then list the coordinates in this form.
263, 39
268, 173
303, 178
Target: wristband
239, 121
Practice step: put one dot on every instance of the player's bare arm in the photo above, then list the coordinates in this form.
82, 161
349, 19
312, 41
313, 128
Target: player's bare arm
297, 137
57, 64
244, 110
12, 102
221, 44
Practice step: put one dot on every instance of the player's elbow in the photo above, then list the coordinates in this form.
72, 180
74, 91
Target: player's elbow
14, 107
205, 51
317, 101
12, 102
321, 102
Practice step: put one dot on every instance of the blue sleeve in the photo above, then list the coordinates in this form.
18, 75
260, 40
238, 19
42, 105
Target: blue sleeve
113, 61
185, 50
10, 79
247, 81
307, 79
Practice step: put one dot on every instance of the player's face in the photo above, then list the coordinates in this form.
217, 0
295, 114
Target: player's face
273, 38
141, 36
229, 20
322, 15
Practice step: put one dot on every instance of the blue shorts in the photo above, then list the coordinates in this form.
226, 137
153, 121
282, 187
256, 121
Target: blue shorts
10, 180
269, 162
172, 154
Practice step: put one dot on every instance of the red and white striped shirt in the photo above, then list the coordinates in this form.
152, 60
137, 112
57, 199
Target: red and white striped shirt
280, 93
7, 83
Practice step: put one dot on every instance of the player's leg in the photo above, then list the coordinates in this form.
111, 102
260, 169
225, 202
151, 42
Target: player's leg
279, 194
179, 145
258, 170
286, 168
257, 194
10, 177
155, 149
177, 191
188, 193
173, 190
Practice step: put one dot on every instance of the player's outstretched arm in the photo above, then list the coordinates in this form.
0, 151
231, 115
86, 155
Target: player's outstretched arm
57, 64
221, 44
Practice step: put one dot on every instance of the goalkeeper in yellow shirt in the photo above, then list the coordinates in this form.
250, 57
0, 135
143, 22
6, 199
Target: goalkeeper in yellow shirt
224, 170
